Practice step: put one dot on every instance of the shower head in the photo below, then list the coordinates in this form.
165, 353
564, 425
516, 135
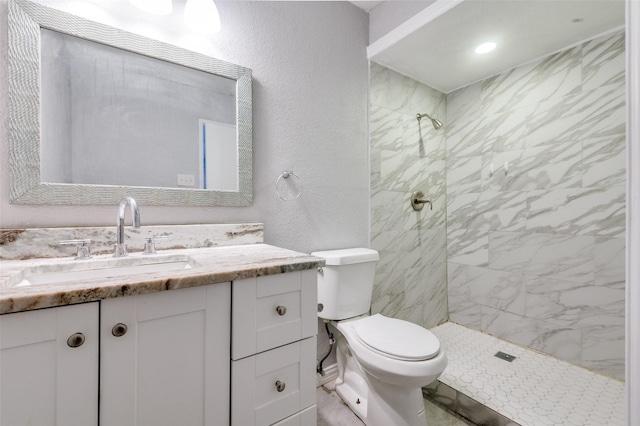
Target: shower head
436, 123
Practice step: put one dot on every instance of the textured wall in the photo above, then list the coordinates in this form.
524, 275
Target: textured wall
407, 156
309, 115
536, 255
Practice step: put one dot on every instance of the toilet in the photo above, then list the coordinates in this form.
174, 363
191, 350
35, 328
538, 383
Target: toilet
383, 363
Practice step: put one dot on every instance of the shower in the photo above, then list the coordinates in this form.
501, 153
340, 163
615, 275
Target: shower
436, 123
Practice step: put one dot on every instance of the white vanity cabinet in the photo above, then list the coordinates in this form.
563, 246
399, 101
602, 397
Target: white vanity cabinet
165, 358
240, 353
273, 350
49, 366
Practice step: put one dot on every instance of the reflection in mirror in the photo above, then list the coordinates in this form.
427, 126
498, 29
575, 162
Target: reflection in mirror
161, 109
96, 113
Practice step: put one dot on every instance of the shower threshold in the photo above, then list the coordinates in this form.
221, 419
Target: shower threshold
533, 389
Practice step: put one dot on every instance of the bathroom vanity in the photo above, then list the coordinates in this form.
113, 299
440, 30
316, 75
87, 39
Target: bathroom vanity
225, 337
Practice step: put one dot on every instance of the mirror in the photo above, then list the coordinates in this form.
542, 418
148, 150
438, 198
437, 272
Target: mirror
143, 118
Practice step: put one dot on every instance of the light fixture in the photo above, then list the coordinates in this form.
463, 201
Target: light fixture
202, 16
485, 48
157, 7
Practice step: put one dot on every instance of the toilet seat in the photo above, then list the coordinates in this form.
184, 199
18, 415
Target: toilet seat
396, 338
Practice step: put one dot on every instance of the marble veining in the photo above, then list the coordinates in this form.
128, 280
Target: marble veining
488, 211
585, 211
386, 128
554, 77
406, 156
595, 113
536, 255
604, 162
565, 256
603, 61
43, 242
212, 265
553, 166
501, 132
468, 247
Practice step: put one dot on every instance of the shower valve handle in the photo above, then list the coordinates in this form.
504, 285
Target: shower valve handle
418, 200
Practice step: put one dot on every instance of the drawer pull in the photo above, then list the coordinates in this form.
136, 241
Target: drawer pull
281, 310
75, 340
280, 386
119, 329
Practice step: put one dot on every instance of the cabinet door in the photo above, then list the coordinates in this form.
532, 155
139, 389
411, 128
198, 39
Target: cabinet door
171, 366
45, 381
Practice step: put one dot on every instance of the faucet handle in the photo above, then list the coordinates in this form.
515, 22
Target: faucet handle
150, 243
83, 246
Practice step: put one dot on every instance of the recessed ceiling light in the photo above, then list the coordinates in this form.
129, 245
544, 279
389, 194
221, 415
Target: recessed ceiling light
485, 48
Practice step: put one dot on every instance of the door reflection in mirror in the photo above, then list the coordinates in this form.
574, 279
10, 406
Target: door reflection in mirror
218, 156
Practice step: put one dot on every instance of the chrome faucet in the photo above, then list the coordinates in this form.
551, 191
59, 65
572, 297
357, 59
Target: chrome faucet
120, 248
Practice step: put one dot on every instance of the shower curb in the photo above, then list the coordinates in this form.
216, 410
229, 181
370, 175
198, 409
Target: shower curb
464, 405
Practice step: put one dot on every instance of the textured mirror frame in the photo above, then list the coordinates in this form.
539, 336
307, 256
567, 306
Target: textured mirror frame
24, 22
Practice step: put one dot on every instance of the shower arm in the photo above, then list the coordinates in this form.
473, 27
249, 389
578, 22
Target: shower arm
437, 124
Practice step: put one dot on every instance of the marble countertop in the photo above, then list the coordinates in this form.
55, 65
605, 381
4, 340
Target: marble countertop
211, 265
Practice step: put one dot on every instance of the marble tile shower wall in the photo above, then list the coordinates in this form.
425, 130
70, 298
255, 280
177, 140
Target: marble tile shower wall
407, 156
536, 255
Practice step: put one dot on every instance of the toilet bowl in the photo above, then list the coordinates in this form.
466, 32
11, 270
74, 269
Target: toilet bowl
383, 363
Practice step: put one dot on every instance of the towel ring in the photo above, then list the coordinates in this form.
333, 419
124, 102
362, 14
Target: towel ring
286, 188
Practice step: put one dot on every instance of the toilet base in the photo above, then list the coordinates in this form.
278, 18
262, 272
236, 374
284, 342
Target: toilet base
376, 403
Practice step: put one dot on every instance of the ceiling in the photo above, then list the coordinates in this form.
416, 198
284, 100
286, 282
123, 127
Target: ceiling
441, 53
366, 5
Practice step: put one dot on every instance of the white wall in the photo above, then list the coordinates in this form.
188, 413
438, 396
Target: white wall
310, 116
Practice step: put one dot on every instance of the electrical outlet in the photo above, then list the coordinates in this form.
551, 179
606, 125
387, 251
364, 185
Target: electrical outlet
186, 180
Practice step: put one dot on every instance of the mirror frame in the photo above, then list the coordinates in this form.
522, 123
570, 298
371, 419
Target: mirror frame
25, 19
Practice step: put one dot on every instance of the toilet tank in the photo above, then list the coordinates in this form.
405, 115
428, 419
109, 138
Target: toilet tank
346, 282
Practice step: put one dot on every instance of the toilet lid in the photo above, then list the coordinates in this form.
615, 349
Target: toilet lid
397, 338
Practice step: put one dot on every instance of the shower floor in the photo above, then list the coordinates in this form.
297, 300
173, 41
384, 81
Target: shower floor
532, 390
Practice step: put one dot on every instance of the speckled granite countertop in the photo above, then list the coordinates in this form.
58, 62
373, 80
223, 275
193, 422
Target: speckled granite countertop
211, 265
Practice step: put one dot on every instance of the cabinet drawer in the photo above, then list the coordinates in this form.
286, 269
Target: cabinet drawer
256, 398
272, 311
306, 417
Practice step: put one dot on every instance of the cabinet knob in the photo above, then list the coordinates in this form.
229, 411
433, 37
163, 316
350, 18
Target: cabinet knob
280, 386
75, 340
281, 310
119, 329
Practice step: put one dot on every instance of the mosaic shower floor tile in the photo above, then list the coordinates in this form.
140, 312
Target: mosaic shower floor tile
532, 390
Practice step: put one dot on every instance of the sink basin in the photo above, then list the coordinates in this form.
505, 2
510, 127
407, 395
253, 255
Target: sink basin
99, 269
